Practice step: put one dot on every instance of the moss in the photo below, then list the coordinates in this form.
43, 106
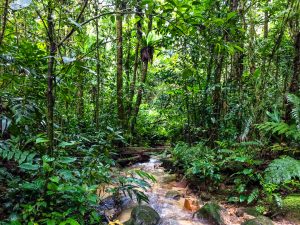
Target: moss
291, 205
143, 215
261, 220
252, 211
211, 212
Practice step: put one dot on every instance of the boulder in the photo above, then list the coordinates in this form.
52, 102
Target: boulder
168, 178
173, 195
211, 212
260, 220
143, 215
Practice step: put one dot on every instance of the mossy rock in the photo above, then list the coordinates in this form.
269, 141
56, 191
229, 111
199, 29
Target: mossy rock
143, 215
168, 178
291, 205
252, 211
211, 212
173, 195
260, 220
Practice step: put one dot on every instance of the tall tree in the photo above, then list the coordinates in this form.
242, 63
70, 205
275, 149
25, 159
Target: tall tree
119, 27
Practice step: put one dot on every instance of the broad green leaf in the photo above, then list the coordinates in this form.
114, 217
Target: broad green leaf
47, 158
55, 179
41, 140
29, 166
67, 160
65, 144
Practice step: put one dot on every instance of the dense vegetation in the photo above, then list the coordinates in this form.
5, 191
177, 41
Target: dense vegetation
81, 79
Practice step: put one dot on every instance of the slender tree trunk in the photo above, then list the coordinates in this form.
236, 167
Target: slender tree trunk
217, 100
136, 59
51, 78
143, 81
252, 45
127, 62
80, 109
187, 105
4, 21
119, 27
97, 100
139, 95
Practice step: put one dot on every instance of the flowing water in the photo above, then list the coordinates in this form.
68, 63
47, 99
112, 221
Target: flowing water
178, 211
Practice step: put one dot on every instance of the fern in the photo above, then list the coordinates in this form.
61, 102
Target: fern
283, 169
280, 128
7, 152
253, 196
295, 101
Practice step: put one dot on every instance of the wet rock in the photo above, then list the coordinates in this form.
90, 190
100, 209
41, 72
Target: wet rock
239, 212
173, 195
143, 215
291, 205
191, 205
211, 212
111, 207
261, 220
168, 178
205, 196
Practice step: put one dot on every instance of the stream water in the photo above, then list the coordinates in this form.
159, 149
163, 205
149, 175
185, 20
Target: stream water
179, 211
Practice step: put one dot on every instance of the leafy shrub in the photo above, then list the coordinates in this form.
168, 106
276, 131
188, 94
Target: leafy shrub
198, 162
61, 189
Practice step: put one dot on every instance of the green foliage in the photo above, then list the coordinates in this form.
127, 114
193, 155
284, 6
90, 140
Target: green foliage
282, 170
281, 128
198, 162
295, 101
9, 151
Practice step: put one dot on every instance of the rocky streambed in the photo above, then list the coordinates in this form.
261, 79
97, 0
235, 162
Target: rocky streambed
171, 202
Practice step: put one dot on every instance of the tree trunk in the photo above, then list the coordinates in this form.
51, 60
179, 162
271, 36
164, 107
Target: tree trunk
143, 80
217, 101
119, 27
139, 95
80, 109
4, 21
97, 103
136, 59
51, 78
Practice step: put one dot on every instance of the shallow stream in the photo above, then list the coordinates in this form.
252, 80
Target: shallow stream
179, 211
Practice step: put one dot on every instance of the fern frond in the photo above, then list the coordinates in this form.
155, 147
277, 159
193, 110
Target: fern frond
295, 113
283, 169
8, 153
253, 196
280, 128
